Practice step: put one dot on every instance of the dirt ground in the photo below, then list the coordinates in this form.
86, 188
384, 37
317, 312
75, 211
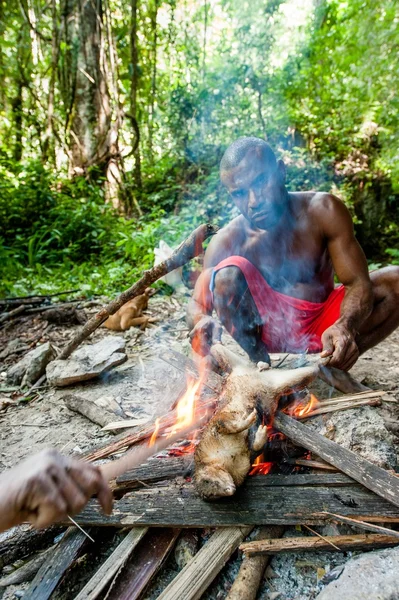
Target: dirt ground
145, 386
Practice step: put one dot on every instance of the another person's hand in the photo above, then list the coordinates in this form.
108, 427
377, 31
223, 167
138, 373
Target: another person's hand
339, 345
205, 333
48, 487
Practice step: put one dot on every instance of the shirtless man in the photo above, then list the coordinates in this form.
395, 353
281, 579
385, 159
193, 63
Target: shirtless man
269, 274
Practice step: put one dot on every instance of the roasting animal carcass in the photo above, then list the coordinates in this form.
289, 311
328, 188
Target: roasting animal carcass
237, 432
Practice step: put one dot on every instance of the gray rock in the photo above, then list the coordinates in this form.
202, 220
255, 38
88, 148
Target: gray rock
361, 430
31, 366
87, 362
370, 576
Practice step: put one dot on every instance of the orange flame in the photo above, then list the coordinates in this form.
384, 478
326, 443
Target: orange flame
260, 467
304, 408
155, 433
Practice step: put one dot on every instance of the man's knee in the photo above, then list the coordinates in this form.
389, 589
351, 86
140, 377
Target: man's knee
229, 282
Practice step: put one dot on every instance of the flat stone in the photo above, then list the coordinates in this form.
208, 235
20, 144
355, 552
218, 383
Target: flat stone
87, 362
370, 576
31, 366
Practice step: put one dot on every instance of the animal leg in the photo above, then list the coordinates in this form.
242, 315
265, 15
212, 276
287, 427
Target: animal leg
260, 438
236, 424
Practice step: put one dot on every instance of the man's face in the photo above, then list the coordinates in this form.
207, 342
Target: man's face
257, 187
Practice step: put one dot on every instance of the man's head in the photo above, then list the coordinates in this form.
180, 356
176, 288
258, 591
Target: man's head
255, 181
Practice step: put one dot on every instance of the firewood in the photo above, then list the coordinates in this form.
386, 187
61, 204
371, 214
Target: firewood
50, 574
371, 476
312, 464
141, 566
23, 541
190, 248
323, 410
341, 380
27, 571
101, 415
112, 565
363, 525
246, 584
144, 433
199, 573
302, 544
152, 471
137, 456
259, 501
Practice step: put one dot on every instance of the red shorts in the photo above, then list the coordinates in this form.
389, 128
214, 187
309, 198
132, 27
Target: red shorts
289, 324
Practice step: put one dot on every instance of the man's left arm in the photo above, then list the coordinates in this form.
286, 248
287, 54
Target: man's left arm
350, 265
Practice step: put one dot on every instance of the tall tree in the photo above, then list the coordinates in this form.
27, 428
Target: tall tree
133, 92
89, 117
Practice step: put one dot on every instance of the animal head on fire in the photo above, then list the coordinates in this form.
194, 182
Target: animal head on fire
255, 180
213, 483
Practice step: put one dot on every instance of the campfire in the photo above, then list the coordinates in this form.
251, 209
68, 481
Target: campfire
299, 477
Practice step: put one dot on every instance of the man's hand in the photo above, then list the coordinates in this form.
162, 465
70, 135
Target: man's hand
205, 333
339, 344
48, 487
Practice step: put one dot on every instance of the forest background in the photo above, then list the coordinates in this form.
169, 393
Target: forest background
115, 114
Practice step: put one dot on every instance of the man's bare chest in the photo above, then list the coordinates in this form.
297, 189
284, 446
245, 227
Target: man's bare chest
295, 265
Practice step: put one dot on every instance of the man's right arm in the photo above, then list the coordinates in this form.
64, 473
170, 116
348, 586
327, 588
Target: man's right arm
204, 330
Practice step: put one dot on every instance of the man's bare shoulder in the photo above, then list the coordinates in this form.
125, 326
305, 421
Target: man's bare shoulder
329, 211
226, 242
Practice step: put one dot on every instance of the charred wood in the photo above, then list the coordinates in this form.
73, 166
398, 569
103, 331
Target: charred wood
378, 480
143, 564
112, 565
256, 503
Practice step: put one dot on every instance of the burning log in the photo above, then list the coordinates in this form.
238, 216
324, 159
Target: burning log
329, 544
112, 565
199, 573
151, 472
371, 476
246, 584
236, 434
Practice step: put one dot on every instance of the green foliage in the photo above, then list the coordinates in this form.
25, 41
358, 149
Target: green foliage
317, 79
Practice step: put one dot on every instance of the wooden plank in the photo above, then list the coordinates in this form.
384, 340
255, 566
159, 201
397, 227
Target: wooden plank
143, 565
341, 380
255, 503
198, 574
50, 574
371, 476
152, 471
247, 582
301, 544
160, 469
111, 566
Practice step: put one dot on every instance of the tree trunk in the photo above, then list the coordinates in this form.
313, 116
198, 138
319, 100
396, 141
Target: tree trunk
154, 30
134, 89
17, 110
48, 145
89, 107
